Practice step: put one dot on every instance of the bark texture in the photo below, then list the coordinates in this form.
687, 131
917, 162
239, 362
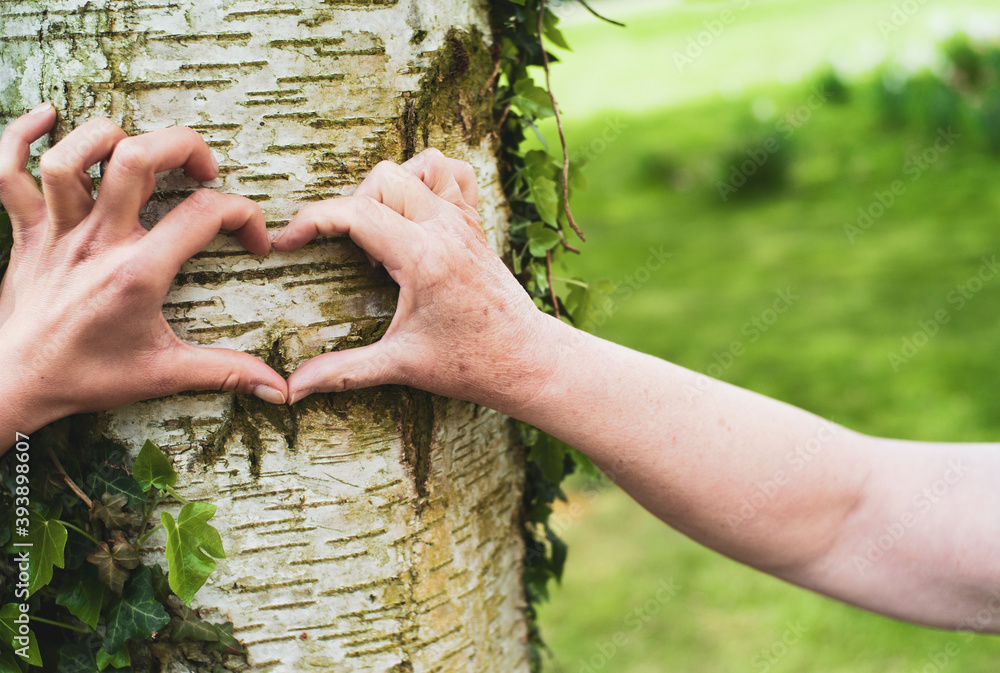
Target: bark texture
370, 531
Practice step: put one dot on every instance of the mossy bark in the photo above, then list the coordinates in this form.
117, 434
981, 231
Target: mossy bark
367, 531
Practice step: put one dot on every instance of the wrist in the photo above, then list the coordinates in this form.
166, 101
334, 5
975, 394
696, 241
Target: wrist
533, 365
23, 406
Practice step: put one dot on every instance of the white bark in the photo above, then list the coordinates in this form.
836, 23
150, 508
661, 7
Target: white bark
369, 532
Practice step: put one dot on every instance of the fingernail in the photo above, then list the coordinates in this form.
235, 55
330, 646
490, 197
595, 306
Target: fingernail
215, 162
277, 236
300, 395
39, 109
269, 394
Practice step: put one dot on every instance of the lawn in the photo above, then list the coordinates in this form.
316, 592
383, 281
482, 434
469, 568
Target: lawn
860, 296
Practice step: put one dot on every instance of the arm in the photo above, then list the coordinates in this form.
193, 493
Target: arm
767, 484
81, 327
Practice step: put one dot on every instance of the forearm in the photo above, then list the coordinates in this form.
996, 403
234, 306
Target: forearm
756, 479
778, 488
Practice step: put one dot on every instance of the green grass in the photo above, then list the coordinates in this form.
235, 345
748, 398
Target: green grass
654, 186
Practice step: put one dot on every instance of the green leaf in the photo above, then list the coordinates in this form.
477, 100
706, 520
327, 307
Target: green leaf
541, 239
550, 30
83, 595
77, 658
108, 479
10, 662
559, 553
120, 660
153, 468
546, 198
48, 539
532, 100
188, 566
137, 615
189, 626
9, 630
549, 455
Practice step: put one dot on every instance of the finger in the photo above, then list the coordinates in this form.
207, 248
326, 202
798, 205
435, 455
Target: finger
399, 189
131, 175
18, 191
384, 234
189, 227
342, 370
205, 368
450, 179
67, 186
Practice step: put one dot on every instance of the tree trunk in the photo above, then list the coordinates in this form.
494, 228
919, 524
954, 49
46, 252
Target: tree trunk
368, 531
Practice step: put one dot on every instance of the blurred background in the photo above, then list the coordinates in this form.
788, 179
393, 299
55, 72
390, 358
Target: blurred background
845, 152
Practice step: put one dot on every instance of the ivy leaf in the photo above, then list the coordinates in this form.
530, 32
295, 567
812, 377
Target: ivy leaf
541, 239
552, 32
109, 510
545, 198
559, 553
532, 100
125, 555
83, 595
108, 479
120, 660
9, 629
10, 662
111, 574
227, 644
48, 539
187, 565
77, 658
189, 626
137, 615
153, 468
549, 455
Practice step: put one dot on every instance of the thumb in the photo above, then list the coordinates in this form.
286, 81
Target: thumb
336, 372
206, 368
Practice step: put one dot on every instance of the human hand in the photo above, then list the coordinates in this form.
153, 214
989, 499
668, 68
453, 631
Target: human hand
464, 327
81, 327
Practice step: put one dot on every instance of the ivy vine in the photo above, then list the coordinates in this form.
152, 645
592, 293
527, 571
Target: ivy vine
544, 234
72, 562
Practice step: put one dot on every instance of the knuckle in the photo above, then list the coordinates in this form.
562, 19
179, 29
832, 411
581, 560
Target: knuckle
205, 201
366, 207
433, 159
105, 125
234, 381
132, 156
54, 166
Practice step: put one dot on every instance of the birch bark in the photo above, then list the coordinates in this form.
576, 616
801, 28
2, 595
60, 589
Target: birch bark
369, 531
